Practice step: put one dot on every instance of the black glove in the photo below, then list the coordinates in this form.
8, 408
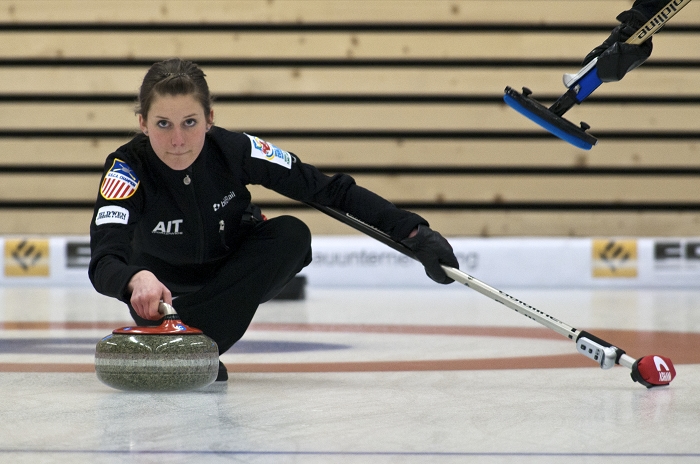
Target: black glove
432, 250
615, 57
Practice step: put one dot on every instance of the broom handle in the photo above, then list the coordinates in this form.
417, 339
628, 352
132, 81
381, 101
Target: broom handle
657, 22
614, 355
465, 279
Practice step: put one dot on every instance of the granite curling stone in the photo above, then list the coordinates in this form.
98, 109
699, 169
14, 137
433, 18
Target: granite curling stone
167, 358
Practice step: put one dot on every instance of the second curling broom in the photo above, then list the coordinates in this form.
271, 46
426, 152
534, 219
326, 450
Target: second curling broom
581, 85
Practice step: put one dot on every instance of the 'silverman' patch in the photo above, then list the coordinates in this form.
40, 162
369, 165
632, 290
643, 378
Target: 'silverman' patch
112, 215
120, 182
266, 151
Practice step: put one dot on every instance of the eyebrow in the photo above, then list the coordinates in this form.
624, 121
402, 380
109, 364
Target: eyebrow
185, 117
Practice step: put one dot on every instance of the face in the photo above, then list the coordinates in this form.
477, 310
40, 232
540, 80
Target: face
176, 127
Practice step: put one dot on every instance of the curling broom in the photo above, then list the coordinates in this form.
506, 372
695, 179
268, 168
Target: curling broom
650, 371
580, 85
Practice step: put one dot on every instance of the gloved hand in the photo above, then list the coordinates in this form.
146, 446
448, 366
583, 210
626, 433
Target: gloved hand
616, 58
432, 250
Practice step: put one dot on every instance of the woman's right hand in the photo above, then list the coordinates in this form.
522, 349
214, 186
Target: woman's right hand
146, 294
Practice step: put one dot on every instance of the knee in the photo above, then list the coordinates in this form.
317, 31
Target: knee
295, 231
296, 241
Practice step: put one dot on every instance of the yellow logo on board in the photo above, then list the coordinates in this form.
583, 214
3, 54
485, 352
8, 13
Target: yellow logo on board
614, 258
26, 258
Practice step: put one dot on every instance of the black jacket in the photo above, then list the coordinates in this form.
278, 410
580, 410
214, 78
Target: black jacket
181, 225
649, 7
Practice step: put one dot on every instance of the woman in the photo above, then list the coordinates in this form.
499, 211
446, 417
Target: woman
174, 219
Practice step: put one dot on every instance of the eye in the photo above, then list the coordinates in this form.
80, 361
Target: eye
162, 123
190, 122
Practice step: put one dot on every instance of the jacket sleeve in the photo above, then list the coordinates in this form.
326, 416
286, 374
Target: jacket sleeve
111, 230
382, 214
304, 182
649, 7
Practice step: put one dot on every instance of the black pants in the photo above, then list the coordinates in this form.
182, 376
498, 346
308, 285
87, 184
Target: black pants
270, 256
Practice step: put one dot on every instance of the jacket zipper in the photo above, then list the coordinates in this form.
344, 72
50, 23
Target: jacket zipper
222, 234
200, 244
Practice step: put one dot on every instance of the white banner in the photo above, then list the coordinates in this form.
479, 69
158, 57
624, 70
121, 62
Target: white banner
362, 261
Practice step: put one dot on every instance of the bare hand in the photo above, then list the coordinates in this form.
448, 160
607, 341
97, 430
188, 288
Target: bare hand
146, 294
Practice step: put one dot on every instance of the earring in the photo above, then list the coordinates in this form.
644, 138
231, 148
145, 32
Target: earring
145, 133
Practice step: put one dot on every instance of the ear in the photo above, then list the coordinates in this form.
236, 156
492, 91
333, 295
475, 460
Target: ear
210, 119
142, 124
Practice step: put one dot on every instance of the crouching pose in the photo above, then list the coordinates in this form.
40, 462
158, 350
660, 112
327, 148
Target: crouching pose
174, 221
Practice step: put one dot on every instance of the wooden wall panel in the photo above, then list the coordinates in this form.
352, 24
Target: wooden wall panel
416, 188
521, 189
470, 223
267, 117
304, 11
480, 81
70, 70
396, 153
309, 45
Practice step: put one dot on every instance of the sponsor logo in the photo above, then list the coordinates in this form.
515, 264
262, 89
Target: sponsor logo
266, 151
224, 201
168, 228
659, 363
677, 255
665, 374
120, 182
26, 258
367, 258
614, 258
77, 254
112, 215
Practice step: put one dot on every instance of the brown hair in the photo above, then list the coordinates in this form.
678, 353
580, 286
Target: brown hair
173, 77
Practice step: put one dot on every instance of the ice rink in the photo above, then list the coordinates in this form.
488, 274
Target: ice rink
363, 375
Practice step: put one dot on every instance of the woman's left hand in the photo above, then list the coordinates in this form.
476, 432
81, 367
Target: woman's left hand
432, 250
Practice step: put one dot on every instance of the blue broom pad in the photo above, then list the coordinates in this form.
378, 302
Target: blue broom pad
551, 127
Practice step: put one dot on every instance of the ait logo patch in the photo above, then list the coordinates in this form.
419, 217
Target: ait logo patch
262, 150
120, 182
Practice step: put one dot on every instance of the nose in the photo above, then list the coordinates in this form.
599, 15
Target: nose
178, 138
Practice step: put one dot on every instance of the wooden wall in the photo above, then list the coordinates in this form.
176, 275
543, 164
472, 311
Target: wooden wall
404, 95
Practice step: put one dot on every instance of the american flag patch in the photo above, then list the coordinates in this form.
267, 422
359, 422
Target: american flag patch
120, 182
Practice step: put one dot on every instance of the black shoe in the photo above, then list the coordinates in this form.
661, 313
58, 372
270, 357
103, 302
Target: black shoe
294, 290
223, 373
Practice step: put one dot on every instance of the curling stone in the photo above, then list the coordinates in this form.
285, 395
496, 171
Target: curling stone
167, 358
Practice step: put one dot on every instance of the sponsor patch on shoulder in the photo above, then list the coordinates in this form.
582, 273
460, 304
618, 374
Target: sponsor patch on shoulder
112, 215
266, 151
120, 182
